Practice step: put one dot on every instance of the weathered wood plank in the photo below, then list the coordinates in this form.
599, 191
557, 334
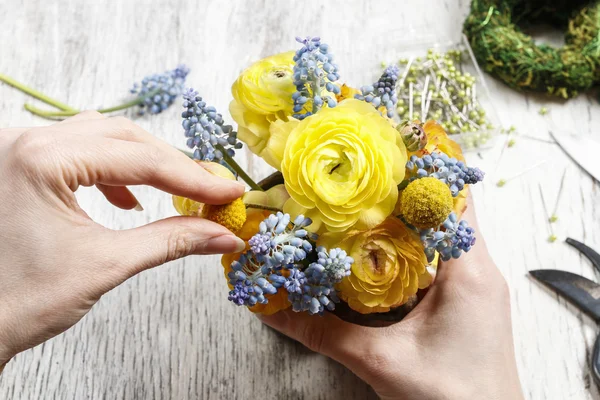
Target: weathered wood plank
170, 333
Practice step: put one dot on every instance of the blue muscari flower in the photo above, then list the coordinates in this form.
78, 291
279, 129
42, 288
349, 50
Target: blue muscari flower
276, 260
313, 290
314, 74
167, 86
383, 92
205, 129
452, 172
279, 244
450, 240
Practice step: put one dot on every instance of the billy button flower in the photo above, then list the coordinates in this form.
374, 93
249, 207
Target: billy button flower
232, 216
426, 203
342, 167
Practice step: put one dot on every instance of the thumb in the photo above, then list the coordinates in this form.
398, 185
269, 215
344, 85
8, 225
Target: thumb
170, 239
325, 334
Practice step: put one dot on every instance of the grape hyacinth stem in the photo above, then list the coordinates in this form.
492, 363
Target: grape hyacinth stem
34, 93
59, 114
187, 153
236, 167
315, 87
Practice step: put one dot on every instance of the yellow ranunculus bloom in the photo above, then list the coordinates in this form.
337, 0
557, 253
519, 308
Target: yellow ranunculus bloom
342, 167
275, 198
389, 266
262, 101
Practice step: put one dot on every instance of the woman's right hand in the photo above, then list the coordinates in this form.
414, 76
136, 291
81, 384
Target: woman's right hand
456, 344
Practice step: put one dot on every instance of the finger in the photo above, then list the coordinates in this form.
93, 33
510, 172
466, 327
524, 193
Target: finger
122, 163
170, 239
120, 196
88, 115
119, 128
327, 335
122, 128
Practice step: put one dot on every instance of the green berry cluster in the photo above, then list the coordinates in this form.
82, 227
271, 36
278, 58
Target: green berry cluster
435, 87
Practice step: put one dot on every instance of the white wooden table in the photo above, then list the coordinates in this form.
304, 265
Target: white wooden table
159, 336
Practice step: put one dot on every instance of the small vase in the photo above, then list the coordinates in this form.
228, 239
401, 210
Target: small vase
342, 310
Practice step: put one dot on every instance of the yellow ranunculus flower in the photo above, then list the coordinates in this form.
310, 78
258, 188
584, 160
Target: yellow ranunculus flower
389, 266
274, 197
342, 167
262, 100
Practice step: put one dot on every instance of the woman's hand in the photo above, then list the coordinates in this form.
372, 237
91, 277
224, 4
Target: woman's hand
55, 261
456, 344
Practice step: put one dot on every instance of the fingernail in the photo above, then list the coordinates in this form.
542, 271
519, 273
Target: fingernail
138, 207
225, 244
241, 184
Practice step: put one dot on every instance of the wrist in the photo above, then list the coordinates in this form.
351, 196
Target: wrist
2, 365
5, 357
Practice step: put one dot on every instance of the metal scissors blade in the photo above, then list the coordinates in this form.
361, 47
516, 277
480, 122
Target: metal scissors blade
582, 292
590, 254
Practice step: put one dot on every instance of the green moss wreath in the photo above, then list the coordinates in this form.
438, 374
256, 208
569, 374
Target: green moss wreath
505, 51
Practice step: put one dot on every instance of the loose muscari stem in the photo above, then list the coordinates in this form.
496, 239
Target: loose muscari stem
68, 111
34, 93
236, 167
71, 112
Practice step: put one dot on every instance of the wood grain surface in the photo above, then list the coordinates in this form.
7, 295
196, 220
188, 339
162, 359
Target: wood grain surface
170, 333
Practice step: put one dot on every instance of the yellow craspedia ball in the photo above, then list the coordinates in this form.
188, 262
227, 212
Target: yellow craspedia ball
232, 216
426, 203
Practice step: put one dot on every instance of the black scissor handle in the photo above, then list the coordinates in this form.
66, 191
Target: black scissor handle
595, 362
586, 251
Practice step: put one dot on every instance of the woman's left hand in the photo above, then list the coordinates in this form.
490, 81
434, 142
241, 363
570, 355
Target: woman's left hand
55, 261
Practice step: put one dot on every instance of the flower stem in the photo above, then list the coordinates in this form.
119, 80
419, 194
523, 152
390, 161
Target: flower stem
34, 93
58, 114
266, 208
187, 153
236, 167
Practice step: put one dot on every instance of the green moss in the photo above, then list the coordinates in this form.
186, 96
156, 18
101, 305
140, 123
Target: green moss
505, 51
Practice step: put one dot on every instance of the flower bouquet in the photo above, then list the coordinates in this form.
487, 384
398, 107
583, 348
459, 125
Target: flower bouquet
363, 205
